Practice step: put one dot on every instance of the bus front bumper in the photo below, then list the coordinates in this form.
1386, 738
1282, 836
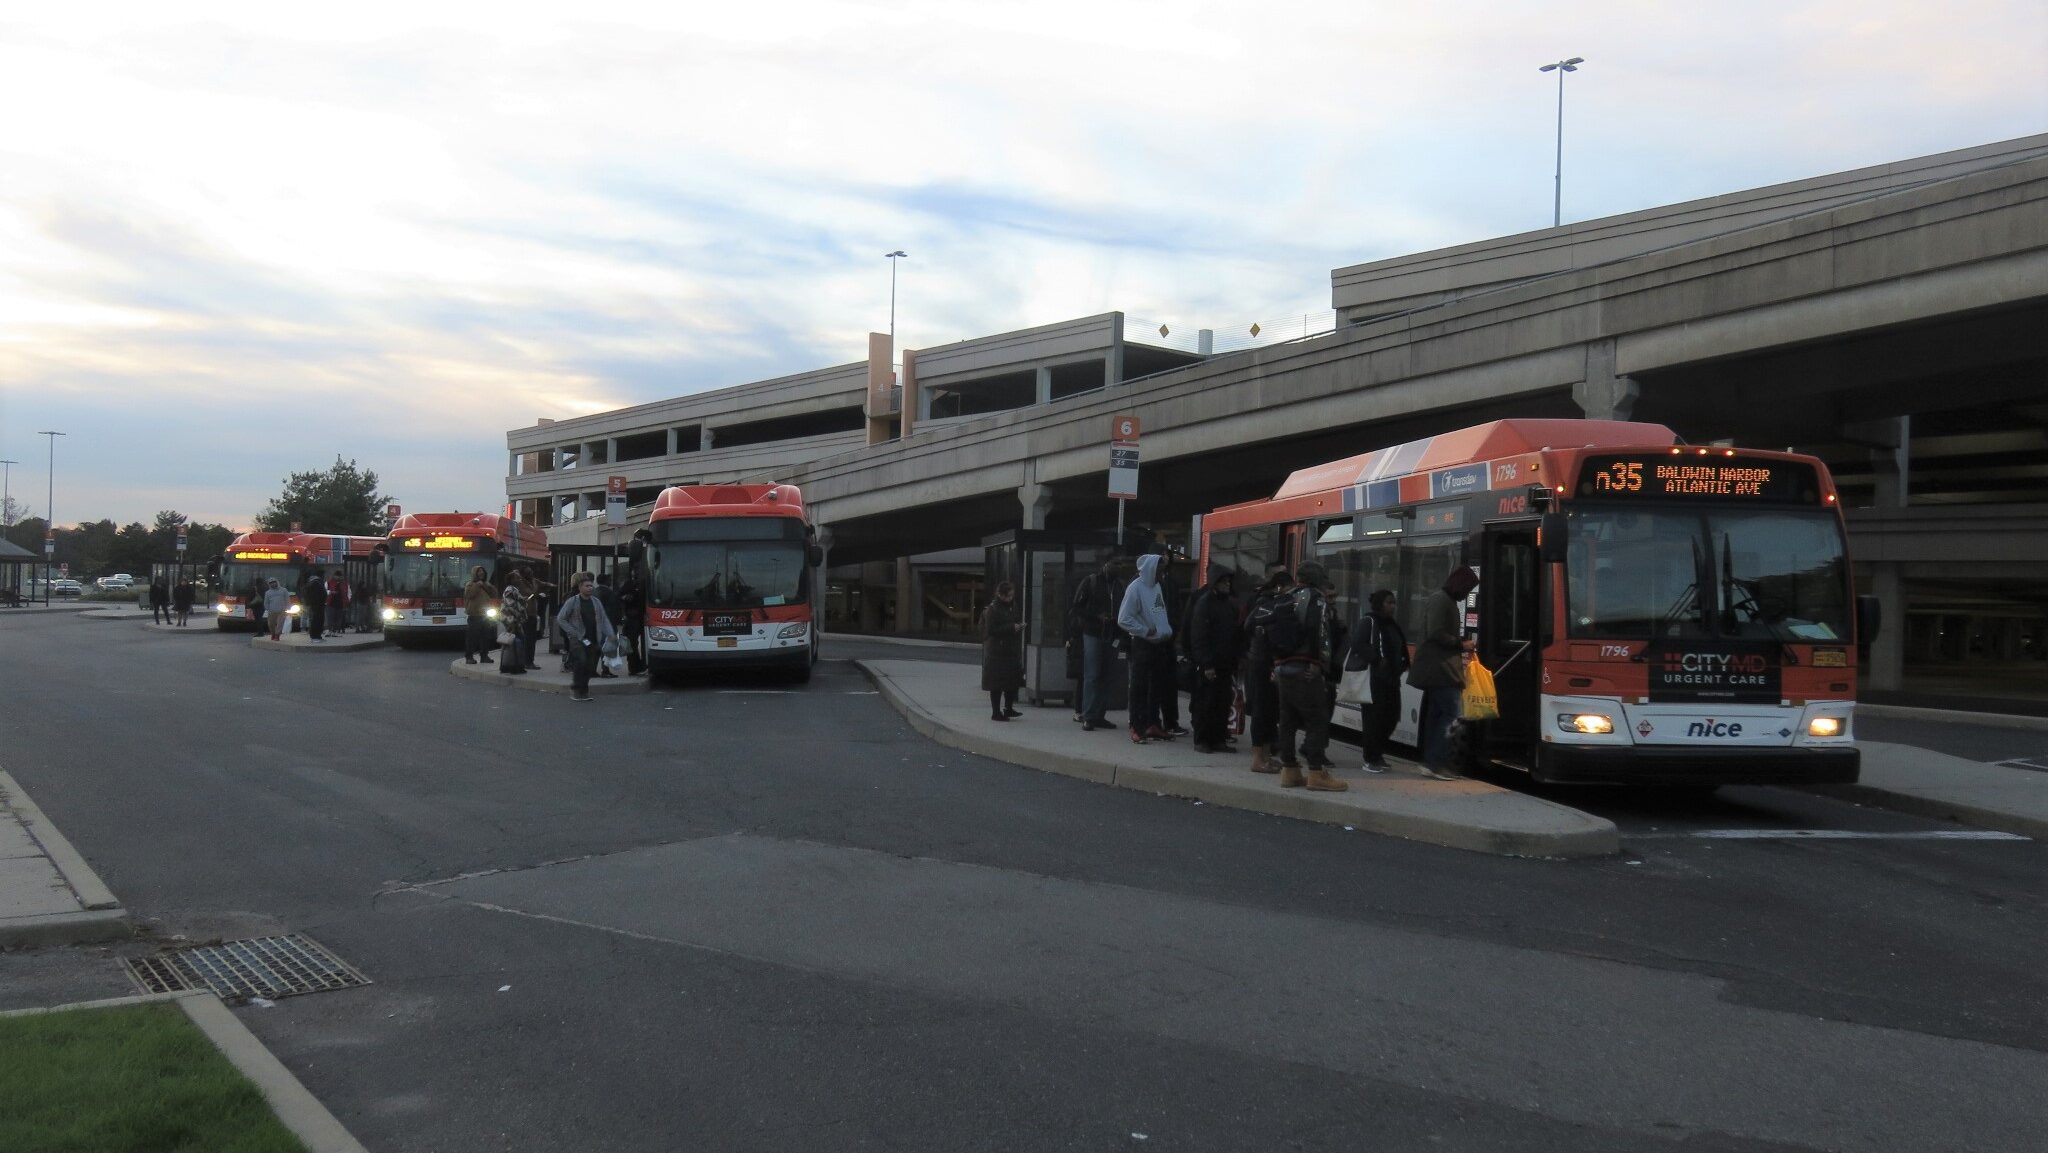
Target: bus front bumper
1687, 765
675, 660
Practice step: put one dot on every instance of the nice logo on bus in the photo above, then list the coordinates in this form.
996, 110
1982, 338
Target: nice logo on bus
1713, 728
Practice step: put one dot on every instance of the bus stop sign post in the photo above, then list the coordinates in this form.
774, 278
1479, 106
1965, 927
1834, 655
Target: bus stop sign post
1123, 467
615, 500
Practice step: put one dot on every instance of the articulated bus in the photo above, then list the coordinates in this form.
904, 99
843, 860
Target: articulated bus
1652, 612
254, 558
731, 580
428, 559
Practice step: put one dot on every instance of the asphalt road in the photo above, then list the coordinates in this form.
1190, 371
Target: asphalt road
746, 916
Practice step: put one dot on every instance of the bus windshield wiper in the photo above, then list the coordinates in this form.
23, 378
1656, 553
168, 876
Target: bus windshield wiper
1689, 599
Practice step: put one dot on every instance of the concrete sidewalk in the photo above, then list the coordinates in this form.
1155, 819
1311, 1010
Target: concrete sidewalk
1931, 784
303, 643
48, 894
942, 703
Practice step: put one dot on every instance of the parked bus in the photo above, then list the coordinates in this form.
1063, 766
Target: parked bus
1652, 612
428, 560
731, 581
238, 576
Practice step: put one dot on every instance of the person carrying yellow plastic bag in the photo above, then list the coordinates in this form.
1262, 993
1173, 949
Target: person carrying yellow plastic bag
1480, 702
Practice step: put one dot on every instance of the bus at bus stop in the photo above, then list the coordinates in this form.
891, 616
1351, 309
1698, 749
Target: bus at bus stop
731, 579
253, 559
1652, 612
428, 559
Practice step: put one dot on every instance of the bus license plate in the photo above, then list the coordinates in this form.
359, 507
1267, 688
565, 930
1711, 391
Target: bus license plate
440, 620
728, 642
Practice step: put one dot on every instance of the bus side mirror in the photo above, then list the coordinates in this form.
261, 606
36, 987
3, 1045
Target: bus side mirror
1550, 538
1869, 616
817, 556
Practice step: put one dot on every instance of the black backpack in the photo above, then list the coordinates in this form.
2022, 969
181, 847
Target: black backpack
1280, 619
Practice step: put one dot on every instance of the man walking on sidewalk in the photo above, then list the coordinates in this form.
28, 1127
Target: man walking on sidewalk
1212, 648
585, 630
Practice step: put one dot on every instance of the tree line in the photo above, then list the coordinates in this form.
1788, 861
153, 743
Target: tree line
341, 499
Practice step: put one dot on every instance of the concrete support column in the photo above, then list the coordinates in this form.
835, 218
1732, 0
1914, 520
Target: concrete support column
611, 450
873, 577
908, 611
1891, 457
1044, 389
512, 464
559, 453
1888, 651
704, 438
1205, 341
1602, 395
671, 449
1037, 501
824, 539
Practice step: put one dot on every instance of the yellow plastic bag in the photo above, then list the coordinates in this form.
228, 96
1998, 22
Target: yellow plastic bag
1481, 702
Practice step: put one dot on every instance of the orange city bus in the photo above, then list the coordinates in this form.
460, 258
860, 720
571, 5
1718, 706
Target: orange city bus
1652, 612
428, 559
254, 558
730, 577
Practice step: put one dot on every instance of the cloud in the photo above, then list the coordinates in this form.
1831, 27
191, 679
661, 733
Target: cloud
240, 238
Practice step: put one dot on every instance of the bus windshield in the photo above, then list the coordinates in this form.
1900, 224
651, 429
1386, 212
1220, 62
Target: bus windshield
728, 574
426, 574
242, 578
1648, 573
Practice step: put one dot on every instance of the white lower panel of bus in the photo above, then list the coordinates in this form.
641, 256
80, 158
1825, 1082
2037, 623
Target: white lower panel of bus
764, 638
422, 619
1703, 724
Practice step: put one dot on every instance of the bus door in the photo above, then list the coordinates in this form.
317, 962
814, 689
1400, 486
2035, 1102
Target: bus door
1510, 633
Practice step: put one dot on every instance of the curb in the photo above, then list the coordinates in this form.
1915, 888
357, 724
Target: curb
348, 643
538, 682
1920, 806
1954, 717
908, 642
295, 1107
152, 626
1599, 838
103, 918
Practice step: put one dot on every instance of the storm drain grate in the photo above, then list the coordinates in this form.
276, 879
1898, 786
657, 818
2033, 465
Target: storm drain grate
237, 971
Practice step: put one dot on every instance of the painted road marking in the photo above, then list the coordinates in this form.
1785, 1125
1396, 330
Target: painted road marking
2038, 764
1830, 835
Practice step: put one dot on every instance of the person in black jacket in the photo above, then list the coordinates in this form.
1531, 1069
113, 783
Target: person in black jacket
633, 622
1212, 649
1379, 646
1002, 654
1261, 695
1093, 615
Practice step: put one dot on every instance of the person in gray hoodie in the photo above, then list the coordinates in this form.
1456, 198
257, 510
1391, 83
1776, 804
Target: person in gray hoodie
1144, 618
277, 606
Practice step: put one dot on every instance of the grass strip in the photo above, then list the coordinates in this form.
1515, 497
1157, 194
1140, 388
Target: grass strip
130, 1079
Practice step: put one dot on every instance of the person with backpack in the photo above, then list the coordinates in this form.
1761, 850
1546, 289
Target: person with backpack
1213, 649
1261, 695
1143, 617
512, 610
1092, 614
1303, 645
1440, 668
1380, 649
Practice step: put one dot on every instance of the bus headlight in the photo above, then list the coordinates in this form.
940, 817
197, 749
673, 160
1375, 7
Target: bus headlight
1824, 727
788, 632
294, 610
223, 608
491, 614
390, 614
1595, 723
666, 636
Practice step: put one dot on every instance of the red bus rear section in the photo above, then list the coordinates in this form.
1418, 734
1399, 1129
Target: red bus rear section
429, 558
730, 573
1653, 612
253, 559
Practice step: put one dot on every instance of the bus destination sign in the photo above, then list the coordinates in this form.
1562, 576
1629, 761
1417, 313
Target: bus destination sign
439, 543
263, 555
1716, 478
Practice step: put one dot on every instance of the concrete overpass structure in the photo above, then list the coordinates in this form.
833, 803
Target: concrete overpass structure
1893, 320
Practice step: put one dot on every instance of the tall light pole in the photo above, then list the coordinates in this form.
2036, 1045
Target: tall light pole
892, 258
50, 512
7, 493
1561, 67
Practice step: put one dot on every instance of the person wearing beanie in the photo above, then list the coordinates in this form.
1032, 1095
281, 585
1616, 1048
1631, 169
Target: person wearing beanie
1212, 649
1439, 669
1301, 669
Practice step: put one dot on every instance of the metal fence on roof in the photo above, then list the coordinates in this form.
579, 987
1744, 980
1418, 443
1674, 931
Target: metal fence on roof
1195, 338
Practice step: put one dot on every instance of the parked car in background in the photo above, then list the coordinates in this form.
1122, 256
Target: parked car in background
66, 587
119, 582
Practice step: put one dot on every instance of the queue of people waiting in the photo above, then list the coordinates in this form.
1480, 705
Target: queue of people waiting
599, 625
328, 604
1283, 647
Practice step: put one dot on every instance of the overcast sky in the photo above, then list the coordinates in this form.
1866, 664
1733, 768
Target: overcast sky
239, 239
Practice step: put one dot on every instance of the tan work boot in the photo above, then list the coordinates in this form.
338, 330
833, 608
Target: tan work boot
1290, 777
1262, 761
1325, 781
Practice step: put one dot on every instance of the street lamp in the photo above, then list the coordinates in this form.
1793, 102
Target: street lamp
7, 493
1561, 67
892, 258
50, 521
